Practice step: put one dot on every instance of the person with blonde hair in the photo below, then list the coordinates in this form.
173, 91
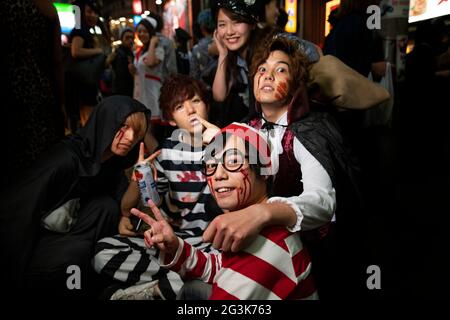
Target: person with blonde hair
55, 212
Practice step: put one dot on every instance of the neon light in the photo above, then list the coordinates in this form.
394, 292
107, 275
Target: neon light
137, 6
69, 16
291, 9
330, 6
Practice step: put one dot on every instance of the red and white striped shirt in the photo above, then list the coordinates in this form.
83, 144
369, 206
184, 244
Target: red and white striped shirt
275, 266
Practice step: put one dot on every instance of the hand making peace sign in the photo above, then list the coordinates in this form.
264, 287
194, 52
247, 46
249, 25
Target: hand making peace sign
161, 233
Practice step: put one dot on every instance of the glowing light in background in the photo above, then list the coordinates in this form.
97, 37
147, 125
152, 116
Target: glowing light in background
291, 10
137, 6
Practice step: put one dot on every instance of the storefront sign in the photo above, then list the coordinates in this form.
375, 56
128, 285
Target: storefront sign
428, 9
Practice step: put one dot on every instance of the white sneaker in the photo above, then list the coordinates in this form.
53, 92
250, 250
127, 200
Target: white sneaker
145, 291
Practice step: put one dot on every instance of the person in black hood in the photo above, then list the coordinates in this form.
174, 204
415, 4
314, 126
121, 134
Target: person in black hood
41, 238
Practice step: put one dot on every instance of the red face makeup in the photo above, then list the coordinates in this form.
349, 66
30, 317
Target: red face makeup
128, 135
235, 190
245, 191
271, 82
281, 92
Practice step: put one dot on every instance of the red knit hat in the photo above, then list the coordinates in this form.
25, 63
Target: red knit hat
256, 139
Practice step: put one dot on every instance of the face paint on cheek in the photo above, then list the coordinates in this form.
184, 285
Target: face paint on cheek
119, 136
210, 184
281, 91
244, 193
257, 93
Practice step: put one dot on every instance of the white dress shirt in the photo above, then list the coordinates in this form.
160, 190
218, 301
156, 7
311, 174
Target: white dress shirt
316, 205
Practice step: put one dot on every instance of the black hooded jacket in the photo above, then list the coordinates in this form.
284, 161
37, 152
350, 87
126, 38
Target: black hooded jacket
71, 169
320, 134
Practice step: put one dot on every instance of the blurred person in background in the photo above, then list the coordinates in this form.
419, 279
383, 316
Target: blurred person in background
83, 46
200, 57
269, 13
283, 19
362, 50
183, 54
121, 61
170, 61
149, 72
352, 42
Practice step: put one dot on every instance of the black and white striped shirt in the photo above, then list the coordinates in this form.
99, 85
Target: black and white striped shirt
184, 190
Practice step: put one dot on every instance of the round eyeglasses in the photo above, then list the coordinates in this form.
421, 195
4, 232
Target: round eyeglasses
232, 160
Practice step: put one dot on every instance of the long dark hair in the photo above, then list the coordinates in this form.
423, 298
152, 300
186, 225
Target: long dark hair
151, 32
92, 4
82, 5
231, 69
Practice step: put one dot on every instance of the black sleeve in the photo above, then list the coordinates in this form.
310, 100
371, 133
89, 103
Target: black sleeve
376, 47
320, 135
87, 37
209, 73
77, 33
120, 65
44, 187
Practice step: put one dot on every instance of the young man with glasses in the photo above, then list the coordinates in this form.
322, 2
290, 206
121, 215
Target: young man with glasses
275, 265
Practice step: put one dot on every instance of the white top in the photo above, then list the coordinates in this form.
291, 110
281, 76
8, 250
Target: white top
316, 205
148, 82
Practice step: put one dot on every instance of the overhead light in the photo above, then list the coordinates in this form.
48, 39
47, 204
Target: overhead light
158, 2
122, 19
137, 6
146, 12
